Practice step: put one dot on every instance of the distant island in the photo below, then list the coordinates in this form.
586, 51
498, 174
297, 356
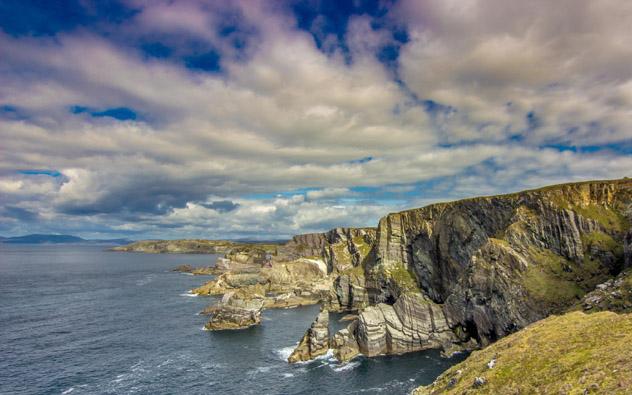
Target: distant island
58, 239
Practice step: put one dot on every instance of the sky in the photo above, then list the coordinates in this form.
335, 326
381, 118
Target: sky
264, 119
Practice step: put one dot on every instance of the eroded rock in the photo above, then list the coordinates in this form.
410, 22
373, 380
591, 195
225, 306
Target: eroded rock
315, 342
235, 313
413, 323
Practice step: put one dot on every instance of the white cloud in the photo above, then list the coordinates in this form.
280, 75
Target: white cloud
287, 116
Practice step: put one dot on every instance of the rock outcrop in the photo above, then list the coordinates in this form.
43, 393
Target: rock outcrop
314, 268
413, 323
612, 295
233, 312
341, 248
197, 271
348, 292
345, 344
315, 342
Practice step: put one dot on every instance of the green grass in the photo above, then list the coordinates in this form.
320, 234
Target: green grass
362, 246
403, 278
609, 218
565, 354
557, 283
603, 242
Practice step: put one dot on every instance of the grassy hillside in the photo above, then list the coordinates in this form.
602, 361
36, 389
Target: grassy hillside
575, 353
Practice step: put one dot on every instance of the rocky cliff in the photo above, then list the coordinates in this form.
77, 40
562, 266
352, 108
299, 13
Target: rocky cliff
486, 267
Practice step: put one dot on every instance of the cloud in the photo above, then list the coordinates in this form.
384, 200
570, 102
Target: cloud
479, 97
496, 62
327, 193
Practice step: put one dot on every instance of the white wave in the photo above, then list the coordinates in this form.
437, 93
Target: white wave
190, 294
346, 366
329, 356
204, 328
69, 390
285, 352
288, 375
145, 280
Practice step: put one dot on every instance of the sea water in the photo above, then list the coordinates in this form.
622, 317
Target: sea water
77, 319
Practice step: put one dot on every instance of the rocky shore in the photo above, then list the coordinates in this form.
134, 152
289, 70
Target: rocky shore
454, 276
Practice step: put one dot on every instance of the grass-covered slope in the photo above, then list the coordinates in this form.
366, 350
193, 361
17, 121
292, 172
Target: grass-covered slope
575, 353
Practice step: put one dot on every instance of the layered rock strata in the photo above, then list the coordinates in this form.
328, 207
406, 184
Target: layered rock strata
233, 313
316, 268
413, 323
496, 264
315, 342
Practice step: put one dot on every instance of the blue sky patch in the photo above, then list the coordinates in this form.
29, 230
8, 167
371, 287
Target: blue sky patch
119, 113
46, 172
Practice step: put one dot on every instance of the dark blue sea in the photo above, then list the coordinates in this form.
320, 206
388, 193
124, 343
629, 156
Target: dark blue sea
76, 319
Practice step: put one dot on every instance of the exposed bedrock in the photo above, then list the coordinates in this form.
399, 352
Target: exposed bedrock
496, 264
413, 323
348, 293
233, 312
315, 342
341, 249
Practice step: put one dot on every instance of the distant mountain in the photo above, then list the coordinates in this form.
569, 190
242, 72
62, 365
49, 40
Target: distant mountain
56, 239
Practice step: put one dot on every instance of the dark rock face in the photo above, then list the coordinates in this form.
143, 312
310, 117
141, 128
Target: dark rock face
496, 264
627, 249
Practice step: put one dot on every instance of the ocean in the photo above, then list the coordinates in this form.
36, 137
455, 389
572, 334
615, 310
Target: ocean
77, 319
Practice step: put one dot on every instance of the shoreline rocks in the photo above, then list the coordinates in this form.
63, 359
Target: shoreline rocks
315, 342
233, 313
196, 271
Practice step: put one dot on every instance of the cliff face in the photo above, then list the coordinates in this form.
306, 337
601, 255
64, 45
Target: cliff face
451, 275
341, 249
496, 264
